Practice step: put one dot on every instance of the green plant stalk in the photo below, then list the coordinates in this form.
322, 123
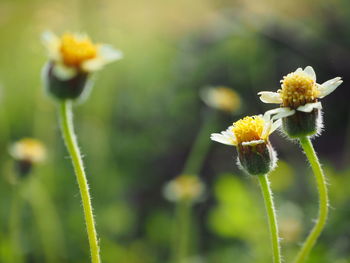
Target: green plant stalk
200, 146
271, 214
323, 200
192, 166
66, 119
183, 222
15, 225
49, 226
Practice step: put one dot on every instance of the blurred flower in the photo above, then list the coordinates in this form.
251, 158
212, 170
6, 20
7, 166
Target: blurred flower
72, 53
221, 98
290, 222
251, 136
72, 57
299, 96
291, 229
26, 152
184, 188
28, 149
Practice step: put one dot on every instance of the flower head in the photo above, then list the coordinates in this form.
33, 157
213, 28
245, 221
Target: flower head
27, 152
298, 97
251, 137
28, 149
221, 98
184, 188
74, 53
247, 131
300, 91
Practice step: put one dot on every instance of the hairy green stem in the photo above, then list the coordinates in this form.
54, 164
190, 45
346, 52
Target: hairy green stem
271, 214
323, 200
66, 118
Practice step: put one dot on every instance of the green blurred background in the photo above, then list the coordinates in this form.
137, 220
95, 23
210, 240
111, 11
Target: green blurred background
143, 115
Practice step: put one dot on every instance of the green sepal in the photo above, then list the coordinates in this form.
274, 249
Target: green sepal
72, 88
302, 123
256, 159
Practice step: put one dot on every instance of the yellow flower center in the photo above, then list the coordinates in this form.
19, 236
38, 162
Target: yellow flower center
75, 50
249, 129
298, 88
226, 99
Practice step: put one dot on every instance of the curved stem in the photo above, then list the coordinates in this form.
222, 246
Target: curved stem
69, 137
271, 214
323, 200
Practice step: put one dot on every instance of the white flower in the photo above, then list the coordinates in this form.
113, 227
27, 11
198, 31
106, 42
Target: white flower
299, 92
248, 131
74, 53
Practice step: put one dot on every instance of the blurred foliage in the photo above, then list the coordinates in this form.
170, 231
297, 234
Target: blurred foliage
138, 126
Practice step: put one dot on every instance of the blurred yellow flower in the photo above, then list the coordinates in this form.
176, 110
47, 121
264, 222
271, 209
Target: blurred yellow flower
74, 53
28, 150
184, 188
221, 98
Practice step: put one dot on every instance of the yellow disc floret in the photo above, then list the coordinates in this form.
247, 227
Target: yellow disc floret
249, 129
298, 88
75, 50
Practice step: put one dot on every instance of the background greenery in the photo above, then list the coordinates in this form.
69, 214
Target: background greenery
142, 117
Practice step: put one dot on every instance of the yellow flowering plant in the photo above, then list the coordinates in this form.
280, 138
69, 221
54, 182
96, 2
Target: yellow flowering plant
300, 111
256, 156
66, 76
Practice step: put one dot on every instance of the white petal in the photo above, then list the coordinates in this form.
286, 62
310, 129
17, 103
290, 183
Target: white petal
311, 72
276, 125
109, 54
251, 143
279, 113
52, 44
63, 72
308, 107
222, 139
92, 65
299, 70
329, 86
270, 97
106, 54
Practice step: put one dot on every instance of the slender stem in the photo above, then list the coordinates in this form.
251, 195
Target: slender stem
184, 222
200, 146
271, 214
15, 225
66, 118
323, 200
192, 166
